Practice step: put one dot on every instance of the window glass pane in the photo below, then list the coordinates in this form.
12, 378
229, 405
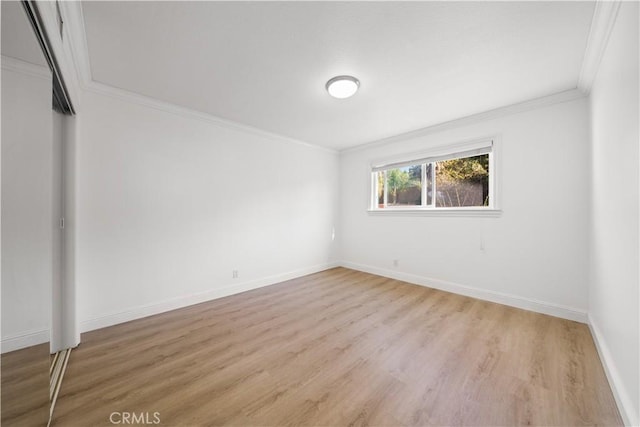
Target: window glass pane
463, 182
404, 186
429, 176
380, 188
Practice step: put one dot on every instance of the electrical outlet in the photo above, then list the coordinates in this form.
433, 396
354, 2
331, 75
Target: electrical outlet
396, 262
235, 274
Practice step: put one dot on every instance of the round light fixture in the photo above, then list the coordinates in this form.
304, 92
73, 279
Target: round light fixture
342, 86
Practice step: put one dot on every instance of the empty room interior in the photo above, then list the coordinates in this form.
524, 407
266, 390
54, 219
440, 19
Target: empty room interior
320, 213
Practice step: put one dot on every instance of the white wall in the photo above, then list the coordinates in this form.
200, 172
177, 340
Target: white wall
169, 205
535, 254
613, 294
27, 226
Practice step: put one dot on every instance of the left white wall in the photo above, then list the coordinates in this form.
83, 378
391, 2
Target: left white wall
27, 226
169, 205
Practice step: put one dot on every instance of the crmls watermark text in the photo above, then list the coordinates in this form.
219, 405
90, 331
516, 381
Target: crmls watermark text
134, 418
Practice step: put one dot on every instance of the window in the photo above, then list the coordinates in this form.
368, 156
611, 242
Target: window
459, 177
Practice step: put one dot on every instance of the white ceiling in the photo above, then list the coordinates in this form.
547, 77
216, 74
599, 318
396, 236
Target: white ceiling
265, 64
18, 39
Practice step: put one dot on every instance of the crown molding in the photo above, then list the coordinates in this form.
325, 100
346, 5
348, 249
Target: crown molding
556, 98
19, 66
604, 18
80, 54
76, 34
169, 107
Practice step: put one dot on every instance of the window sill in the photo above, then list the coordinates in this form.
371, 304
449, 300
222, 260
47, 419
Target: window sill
463, 212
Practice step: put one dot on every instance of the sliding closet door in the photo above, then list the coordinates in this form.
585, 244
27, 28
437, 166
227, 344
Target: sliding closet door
57, 342
27, 222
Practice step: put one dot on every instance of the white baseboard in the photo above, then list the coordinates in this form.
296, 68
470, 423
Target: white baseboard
624, 402
184, 301
543, 307
24, 340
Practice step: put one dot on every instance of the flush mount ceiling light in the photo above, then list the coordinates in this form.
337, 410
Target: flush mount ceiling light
342, 86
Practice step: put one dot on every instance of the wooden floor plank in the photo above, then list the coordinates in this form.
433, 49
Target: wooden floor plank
340, 347
24, 386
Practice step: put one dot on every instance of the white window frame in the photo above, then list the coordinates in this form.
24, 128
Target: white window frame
489, 145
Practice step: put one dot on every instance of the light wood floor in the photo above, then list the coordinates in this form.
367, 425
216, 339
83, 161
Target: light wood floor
340, 348
24, 387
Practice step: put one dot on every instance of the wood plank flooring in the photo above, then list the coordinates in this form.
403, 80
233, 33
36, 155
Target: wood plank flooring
24, 386
340, 348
